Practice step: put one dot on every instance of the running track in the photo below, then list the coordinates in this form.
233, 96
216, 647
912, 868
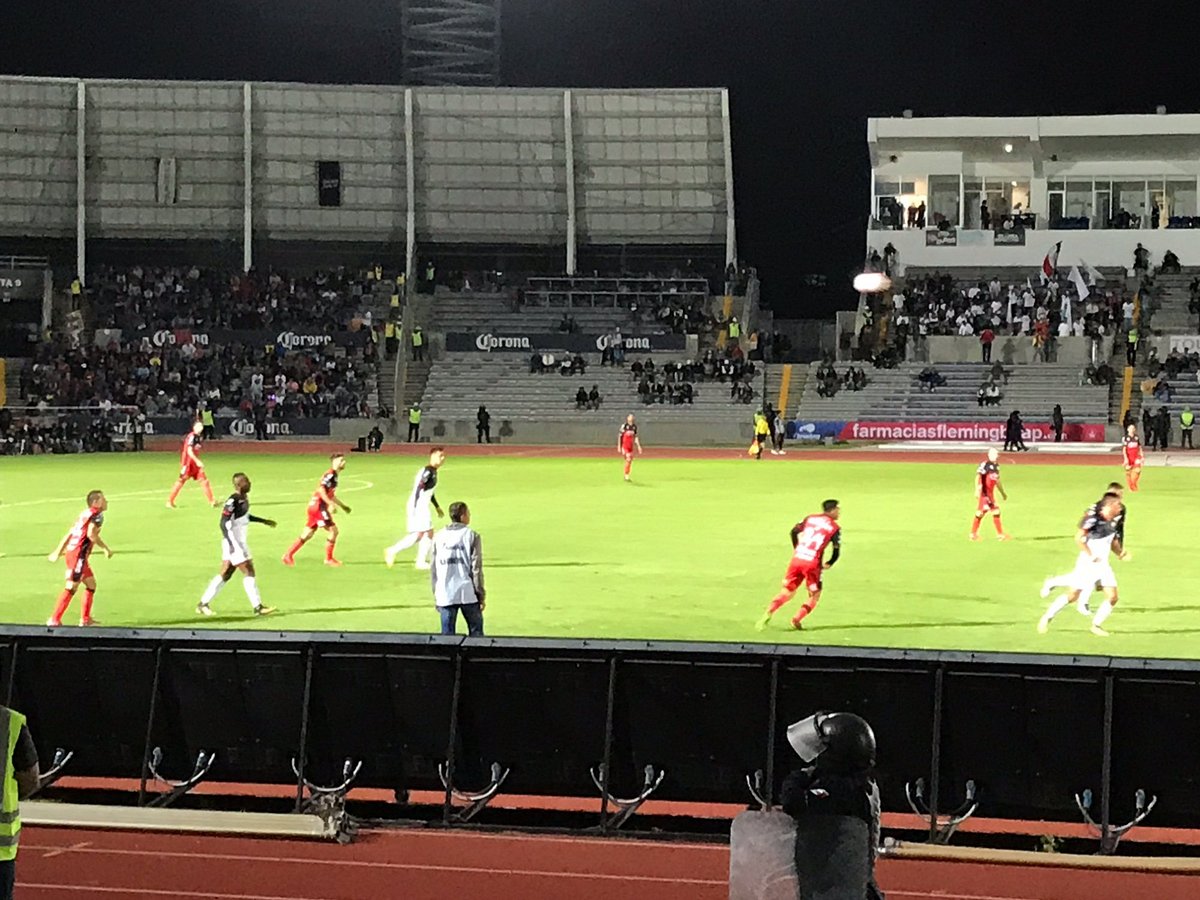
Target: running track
69, 864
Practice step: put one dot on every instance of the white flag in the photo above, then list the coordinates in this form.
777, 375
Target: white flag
1080, 285
1064, 310
1095, 276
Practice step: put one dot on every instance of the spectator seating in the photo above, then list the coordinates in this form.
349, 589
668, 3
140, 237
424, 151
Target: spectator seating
894, 395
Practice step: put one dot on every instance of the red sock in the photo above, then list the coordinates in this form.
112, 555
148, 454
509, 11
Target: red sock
88, 598
207, 489
779, 600
175, 491
804, 611
64, 600
329, 550
294, 549
975, 525
996, 522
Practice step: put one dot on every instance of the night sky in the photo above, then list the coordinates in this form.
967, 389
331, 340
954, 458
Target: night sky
804, 75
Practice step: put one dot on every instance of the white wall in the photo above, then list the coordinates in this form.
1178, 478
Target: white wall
1099, 248
1073, 351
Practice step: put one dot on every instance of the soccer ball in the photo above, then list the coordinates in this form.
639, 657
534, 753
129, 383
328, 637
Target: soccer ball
872, 283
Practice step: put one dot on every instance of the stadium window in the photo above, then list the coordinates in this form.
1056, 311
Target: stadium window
1181, 199
943, 200
894, 197
1079, 199
166, 186
1131, 197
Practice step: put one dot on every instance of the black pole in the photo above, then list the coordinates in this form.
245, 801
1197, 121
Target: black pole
12, 676
1106, 764
772, 714
304, 715
935, 762
451, 750
158, 656
606, 760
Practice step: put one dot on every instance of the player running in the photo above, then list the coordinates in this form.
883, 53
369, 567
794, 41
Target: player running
417, 511
1065, 581
320, 513
78, 544
987, 482
235, 551
627, 441
809, 538
190, 467
1134, 457
1096, 538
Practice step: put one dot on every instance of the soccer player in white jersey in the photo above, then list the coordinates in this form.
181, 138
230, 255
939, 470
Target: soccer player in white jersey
421, 500
1096, 538
235, 550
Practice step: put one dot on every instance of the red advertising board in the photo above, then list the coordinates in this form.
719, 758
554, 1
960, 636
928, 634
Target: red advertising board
962, 431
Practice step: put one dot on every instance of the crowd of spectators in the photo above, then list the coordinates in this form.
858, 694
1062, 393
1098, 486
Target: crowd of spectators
547, 363
829, 382
175, 381
97, 431
142, 299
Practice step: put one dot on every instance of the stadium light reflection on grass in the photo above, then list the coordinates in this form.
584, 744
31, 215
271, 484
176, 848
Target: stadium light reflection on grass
691, 550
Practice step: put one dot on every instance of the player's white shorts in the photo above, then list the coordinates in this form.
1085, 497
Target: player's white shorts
1088, 572
233, 552
420, 519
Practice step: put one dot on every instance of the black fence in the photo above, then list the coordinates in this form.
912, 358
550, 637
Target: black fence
1030, 731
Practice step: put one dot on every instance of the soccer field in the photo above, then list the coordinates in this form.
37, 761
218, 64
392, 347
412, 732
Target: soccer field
691, 550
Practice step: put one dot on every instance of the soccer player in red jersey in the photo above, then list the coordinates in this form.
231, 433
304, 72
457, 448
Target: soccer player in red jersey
809, 538
78, 544
1134, 457
320, 513
190, 467
987, 482
627, 441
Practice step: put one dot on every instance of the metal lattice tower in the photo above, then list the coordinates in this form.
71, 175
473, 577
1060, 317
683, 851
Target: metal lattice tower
451, 42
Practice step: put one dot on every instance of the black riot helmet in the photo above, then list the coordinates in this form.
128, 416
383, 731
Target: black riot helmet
839, 742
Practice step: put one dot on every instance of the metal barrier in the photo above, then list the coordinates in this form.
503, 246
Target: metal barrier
606, 720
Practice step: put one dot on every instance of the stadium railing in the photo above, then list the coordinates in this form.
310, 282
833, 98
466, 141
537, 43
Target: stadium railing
1030, 731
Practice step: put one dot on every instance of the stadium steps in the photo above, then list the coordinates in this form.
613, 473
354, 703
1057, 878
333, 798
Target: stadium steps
13, 366
895, 395
460, 383
416, 382
1171, 298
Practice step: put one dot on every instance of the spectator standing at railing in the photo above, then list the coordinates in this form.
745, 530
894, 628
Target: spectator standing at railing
18, 781
985, 342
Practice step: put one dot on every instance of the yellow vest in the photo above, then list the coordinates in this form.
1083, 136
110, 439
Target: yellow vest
1187, 419
207, 418
395, 301
76, 287
418, 338
414, 416
389, 330
735, 330
11, 723
761, 426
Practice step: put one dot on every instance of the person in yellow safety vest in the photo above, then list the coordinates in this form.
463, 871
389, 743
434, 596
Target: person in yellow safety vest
206, 419
418, 342
1186, 420
391, 341
19, 779
762, 434
76, 287
379, 273
395, 302
414, 424
735, 330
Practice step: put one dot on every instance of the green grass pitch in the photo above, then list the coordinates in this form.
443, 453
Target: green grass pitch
691, 550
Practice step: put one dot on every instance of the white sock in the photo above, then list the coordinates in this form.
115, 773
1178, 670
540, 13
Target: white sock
1103, 612
1056, 606
403, 544
423, 551
214, 588
251, 587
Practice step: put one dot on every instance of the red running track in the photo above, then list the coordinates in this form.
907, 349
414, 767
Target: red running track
68, 864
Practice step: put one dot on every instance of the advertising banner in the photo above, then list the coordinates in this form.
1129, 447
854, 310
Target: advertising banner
22, 284
799, 430
935, 237
963, 431
1009, 233
570, 343
1184, 343
225, 426
289, 339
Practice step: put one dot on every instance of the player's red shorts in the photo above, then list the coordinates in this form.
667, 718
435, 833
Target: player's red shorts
803, 571
628, 455
78, 567
1135, 463
987, 502
190, 472
318, 515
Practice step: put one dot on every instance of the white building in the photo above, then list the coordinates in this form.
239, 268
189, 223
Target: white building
1098, 184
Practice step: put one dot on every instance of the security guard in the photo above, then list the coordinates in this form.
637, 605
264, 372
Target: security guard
418, 342
414, 423
390, 341
1186, 420
762, 433
19, 779
206, 419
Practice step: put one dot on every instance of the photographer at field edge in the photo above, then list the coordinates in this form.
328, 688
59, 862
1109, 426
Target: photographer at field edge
835, 802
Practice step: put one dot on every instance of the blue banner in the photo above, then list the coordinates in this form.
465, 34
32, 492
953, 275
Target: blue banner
799, 430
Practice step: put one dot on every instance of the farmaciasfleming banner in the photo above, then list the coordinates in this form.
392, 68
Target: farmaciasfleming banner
514, 342
962, 431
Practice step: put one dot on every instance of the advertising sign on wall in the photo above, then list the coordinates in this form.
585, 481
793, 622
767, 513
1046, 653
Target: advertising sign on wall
963, 431
513, 342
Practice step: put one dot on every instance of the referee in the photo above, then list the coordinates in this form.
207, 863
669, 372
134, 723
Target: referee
457, 573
